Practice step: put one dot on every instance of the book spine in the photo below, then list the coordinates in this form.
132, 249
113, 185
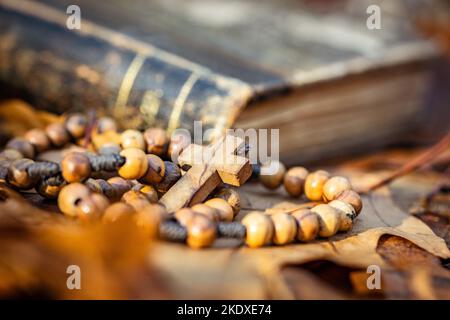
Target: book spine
60, 70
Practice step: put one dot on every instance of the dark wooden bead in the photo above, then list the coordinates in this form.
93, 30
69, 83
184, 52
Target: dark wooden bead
92, 207
120, 186
48, 191
75, 167
105, 124
23, 146
94, 185
38, 138
294, 181
155, 171
76, 125
109, 148
178, 142
18, 174
10, 155
57, 134
150, 193
157, 141
171, 175
307, 224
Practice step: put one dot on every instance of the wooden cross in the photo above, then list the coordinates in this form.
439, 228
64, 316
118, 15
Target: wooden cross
209, 166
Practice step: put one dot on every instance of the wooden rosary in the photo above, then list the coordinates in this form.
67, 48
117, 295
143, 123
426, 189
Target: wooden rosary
165, 199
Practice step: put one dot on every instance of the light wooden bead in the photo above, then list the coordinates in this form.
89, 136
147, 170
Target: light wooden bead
209, 212
57, 134
76, 125
353, 198
307, 224
75, 167
335, 186
10, 155
135, 164
224, 210
171, 175
329, 220
201, 232
232, 197
99, 140
276, 176
117, 211
259, 229
92, 207
132, 195
294, 181
48, 191
38, 138
178, 142
347, 214
185, 215
150, 193
18, 174
70, 196
155, 172
132, 139
105, 124
314, 185
285, 228
157, 141
22, 146
149, 218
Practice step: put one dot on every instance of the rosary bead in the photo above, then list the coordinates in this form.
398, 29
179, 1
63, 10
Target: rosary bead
119, 186
272, 174
232, 197
57, 134
352, 198
92, 207
94, 185
171, 175
70, 197
48, 191
209, 212
109, 148
225, 211
38, 138
22, 146
307, 224
132, 139
75, 167
285, 228
201, 232
155, 172
18, 174
347, 214
157, 141
105, 124
314, 184
116, 211
329, 220
184, 215
99, 140
10, 155
135, 164
294, 181
76, 125
149, 218
334, 186
150, 193
259, 229
178, 142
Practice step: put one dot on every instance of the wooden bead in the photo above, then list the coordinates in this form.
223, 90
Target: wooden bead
132, 195
132, 139
285, 228
136, 164
329, 220
155, 172
307, 224
353, 198
70, 196
48, 191
347, 214
185, 215
94, 185
201, 232
294, 181
92, 207
157, 141
178, 142
225, 211
334, 186
18, 175
209, 212
272, 174
117, 211
149, 218
57, 134
75, 167
76, 125
38, 138
150, 193
109, 148
314, 185
120, 186
105, 124
10, 155
99, 140
22, 146
232, 197
259, 229
171, 175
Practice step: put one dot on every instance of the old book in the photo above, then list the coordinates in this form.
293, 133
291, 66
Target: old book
314, 70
